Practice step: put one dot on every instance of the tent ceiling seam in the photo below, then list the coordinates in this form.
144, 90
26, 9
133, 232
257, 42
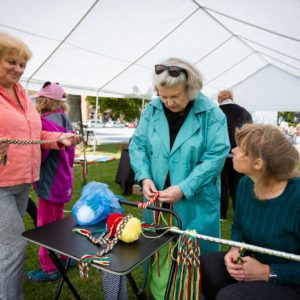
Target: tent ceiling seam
250, 24
244, 79
75, 87
213, 50
250, 75
28, 32
228, 69
65, 38
269, 48
227, 29
276, 59
72, 45
151, 48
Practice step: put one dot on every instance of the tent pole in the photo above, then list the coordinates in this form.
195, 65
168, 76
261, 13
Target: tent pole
143, 104
238, 244
96, 119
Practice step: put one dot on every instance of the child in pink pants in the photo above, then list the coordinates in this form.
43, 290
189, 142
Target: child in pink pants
55, 186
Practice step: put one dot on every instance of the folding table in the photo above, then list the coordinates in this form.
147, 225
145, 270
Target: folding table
59, 238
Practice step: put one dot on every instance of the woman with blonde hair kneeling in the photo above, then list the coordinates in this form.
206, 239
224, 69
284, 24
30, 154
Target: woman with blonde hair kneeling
267, 215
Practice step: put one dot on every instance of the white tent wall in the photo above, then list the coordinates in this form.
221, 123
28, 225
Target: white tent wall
265, 117
274, 88
110, 47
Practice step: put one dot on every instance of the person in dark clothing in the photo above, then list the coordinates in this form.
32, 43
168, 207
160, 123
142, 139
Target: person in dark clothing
125, 174
236, 116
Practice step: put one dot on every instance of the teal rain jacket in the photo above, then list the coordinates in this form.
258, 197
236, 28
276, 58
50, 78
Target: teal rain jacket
194, 162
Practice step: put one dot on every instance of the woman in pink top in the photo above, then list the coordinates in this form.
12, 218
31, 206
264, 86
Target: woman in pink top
18, 120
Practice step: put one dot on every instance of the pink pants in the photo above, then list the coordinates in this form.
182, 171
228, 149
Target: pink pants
48, 212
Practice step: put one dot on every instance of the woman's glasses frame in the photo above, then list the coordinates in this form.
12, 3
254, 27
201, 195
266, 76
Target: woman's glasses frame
173, 71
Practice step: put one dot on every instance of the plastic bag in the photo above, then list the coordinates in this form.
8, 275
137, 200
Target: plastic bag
96, 202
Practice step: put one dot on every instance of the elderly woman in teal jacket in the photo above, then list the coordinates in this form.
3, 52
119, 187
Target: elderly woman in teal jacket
179, 149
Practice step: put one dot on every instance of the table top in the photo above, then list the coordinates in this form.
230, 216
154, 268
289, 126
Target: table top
124, 257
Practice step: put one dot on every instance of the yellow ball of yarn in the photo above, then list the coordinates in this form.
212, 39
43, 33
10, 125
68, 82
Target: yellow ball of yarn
131, 231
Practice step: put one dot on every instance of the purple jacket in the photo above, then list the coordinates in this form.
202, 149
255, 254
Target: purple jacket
56, 175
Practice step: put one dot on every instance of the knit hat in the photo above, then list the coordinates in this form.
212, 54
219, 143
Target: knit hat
51, 91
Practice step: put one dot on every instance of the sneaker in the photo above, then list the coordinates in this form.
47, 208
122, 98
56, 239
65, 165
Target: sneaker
41, 276
72, 264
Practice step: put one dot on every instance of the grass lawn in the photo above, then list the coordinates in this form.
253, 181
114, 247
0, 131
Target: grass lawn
91, 288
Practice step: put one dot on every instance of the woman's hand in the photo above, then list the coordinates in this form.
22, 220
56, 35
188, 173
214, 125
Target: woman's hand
148, 188
69, 139
171, 195
3, 147
235, 270
255, 270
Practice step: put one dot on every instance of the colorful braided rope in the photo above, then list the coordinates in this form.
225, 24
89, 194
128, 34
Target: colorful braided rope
107, 242
144, 205
187, 276
4, 159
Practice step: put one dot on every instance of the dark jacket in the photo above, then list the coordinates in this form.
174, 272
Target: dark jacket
236, 116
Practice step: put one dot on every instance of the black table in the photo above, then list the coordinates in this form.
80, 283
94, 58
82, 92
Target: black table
58, 237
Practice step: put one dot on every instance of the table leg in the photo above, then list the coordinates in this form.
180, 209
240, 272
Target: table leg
140, 293
172, 271
65, 278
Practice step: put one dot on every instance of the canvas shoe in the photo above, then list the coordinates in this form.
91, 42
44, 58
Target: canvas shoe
41, 276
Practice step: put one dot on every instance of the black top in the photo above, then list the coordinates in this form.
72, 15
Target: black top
236, 117
175, 121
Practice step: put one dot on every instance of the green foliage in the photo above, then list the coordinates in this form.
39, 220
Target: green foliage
130, 107
288, 116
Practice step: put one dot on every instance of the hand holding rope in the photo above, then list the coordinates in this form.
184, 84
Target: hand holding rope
144, 205
4, 158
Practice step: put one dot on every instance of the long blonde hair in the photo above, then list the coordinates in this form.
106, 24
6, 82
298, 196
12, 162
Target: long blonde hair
280, 157
46, 105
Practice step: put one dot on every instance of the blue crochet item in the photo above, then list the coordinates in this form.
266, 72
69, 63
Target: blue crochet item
96, 202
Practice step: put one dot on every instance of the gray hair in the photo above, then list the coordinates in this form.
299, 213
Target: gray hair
10, 44
193, 80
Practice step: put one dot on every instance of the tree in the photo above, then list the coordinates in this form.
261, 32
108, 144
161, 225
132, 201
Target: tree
289, 117
130, 107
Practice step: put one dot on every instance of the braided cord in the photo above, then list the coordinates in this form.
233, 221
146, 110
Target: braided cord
4, 158
108, 244
144, 205
35, 142
187, 275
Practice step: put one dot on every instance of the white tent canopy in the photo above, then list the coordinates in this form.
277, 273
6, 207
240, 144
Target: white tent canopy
110, 47
259, 90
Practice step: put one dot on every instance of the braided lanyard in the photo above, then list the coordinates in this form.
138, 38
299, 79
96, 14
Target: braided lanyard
4, 159
106, 242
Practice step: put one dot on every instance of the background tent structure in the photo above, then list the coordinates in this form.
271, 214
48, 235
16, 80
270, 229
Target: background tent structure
110, 47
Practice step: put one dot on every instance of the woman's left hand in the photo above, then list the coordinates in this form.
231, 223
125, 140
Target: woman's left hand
170, 195
254, 270
69, 139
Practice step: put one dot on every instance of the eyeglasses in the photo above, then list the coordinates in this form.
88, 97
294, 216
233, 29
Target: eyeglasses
173, 71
